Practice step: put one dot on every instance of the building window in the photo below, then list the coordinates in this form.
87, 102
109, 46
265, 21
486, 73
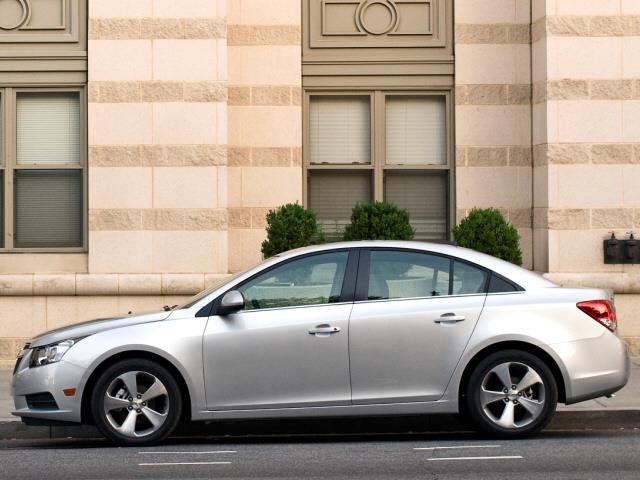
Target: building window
43, 169
379, 145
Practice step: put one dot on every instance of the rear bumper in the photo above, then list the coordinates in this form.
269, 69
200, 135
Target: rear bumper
594, 367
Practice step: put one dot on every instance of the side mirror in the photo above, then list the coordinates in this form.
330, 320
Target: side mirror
231, 302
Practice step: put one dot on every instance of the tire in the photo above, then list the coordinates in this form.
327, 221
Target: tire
496, 408
144, 417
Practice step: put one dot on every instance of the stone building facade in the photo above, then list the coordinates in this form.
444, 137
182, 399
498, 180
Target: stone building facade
178, 124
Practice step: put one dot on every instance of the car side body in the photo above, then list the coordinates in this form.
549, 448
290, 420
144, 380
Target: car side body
387, 357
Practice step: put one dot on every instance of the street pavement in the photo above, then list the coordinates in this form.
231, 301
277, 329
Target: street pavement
557, 455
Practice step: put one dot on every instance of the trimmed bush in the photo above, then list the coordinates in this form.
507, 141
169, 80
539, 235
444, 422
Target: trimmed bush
291, 226
486, 231
378, 221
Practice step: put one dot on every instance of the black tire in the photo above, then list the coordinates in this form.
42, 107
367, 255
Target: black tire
166, 406
487, 408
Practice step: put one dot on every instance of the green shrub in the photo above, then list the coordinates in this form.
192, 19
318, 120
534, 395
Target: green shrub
486, 231
290, 226
378, 221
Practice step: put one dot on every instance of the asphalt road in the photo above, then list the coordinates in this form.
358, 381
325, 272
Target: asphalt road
557, 455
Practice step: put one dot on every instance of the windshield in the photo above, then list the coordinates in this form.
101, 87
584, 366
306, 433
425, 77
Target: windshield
193, 300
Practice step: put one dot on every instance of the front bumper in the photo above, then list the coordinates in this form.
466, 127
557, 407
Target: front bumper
595, 367
53, 379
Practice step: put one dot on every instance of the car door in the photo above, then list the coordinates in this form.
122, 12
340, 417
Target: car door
413, 316
289, 346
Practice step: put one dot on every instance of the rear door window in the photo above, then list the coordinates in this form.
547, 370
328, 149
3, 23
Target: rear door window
404, 274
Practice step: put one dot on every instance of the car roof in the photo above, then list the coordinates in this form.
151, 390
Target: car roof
523, 277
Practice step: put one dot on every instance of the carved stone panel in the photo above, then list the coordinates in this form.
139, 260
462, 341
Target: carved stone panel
39, 21
377, 23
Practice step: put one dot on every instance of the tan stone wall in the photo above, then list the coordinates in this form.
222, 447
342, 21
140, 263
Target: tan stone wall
157, 137
265, 119
493, 111
586, 91
157, 188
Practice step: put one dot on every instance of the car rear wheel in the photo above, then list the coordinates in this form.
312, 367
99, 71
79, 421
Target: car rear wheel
511, 394
136, 402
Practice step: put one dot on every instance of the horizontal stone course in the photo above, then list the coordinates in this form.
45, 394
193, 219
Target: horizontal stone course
588, 219
248, 217
154, 91
157, 155
247, 35
265, 156
513, 156
493, 94
518, 217
183, 219
156, 28
106, 284
497, 33
586, 26
261, 95
584, 153
576, 89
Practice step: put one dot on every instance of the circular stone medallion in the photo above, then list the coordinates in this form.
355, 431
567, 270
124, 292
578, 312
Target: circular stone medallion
378, 17
13, 14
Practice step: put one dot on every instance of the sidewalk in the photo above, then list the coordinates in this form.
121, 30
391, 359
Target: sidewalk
621, 411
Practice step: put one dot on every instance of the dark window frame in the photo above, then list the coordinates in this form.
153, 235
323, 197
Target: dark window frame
362, 281
347, 294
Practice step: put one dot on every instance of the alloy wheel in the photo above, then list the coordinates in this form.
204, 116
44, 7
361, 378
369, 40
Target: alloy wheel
136, 404
512, 395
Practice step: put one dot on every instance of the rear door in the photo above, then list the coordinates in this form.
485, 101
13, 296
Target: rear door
413, 316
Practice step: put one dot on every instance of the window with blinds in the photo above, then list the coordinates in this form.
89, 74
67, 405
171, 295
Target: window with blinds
48, 209
48, 128
333, 194
340, 130
416, 130
424, 196
41, 174
377, 145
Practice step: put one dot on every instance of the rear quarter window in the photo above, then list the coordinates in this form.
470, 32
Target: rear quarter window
498, 284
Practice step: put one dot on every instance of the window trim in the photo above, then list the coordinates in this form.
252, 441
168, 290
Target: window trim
378, 167
9, 141
362, 282
346, 295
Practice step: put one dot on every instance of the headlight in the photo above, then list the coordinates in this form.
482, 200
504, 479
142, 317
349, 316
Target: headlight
51, 353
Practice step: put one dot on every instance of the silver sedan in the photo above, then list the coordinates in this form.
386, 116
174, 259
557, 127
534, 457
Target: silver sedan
345, 329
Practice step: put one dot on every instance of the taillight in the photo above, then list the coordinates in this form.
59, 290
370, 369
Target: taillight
602, 311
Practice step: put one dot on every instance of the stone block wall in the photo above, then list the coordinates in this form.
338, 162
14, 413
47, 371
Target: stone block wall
265, 119
493, 111
586, 95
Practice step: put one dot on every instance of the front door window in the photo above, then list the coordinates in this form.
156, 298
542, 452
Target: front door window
312, 280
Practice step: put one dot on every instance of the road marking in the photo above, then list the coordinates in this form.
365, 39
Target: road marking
188, 453
181, 463
457, 446
504, 457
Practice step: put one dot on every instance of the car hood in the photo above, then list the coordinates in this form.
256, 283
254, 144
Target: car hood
94, 326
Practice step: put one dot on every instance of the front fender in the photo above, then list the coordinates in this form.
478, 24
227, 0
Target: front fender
178, 342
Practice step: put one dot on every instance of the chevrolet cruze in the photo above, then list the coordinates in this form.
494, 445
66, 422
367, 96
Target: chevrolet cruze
345, 329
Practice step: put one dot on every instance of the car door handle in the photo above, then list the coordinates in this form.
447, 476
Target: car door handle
324, 329
450, 318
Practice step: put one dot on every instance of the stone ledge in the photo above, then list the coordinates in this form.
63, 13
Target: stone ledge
619, 283
107, 284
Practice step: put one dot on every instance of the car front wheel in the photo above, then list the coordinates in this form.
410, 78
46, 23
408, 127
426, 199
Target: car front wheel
511, 394
136, 402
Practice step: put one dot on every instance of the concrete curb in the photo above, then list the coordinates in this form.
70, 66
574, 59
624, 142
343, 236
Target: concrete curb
563, 420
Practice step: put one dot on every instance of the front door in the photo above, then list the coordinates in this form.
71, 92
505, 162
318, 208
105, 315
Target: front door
289, 346
409, 331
